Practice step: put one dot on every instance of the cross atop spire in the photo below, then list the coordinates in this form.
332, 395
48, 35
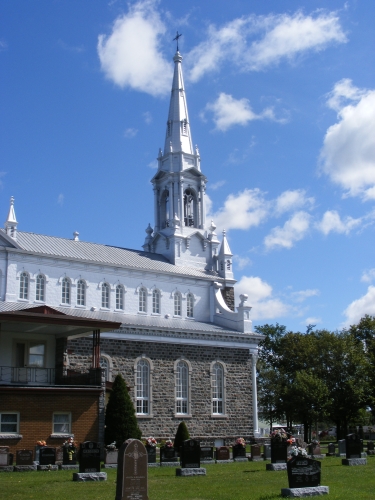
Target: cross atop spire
178, 35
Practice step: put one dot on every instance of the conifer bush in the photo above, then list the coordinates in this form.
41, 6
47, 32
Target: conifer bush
120, 420
182, 435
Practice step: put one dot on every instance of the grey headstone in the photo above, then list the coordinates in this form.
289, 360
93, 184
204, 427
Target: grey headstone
24, 457
111, 457
304, 492
132, 472
267, 451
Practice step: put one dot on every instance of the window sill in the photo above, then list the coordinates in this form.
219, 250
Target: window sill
39, 301
11, 436
217, 415
142, 313
65, 305
190, 318
104, 309
119, 311
23, 300
61, 436
80, 307
155, 314
142, 415
183, 415
176, 316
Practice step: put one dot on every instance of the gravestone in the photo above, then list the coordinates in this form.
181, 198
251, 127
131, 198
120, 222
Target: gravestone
151, 454
331, 450
255, 453
314, 449
4, 456
353, 451
47, 455
168, 455
59, 455
370, 448
207, 454
304, 478
279, 452
89, 457
239, 452
24, 457
267, 451
222, 454
190, 459
132, 472
110, 459
342, 448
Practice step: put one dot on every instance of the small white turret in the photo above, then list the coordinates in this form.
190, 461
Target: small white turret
146, 246
225, 259
11, 222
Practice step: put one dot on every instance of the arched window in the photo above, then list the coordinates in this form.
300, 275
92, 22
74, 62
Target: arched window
40, 288
24, 285
143, 387
142, 300
81, 293
190, 305
218, 388
120, 297
189, 208
182, 387
105, 295
228, 265
177, 304
164, 208
107, 366
156, 302
65, 291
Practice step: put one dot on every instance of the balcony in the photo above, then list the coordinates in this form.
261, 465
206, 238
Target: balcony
34, 376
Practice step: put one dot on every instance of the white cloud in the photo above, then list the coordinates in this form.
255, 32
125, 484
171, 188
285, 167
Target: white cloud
130, 56
3, 45
71, 48
348, 153
255, 42
312, 321
302, 295
292, 200
60, 199
264, 305
217, 185
293, 230
242, 211
368, 276
241, 262
228, 111
147, 117
153, 164
130, 133
332, 222
358, 308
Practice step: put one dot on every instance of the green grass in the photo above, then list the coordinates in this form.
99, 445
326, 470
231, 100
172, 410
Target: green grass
236, 481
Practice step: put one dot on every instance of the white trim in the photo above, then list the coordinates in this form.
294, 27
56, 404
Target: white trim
12, 435
53, 422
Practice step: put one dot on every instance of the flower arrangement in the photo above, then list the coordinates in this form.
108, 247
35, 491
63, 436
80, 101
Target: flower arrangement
240, 442
70, 444
151, 441
315, 442
169, 443
297, 451
291, 441
41, 442
111, 446
279, 435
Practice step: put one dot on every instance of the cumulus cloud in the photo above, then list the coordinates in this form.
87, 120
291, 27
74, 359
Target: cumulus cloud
241, 262
130, 56
130, 133
358, 308
293, 230
217, 185
60, 199
246, 209
312, 320
256, 42
292, 200
147, 117
368, 276
264, 304
348, 153
332, 222
228, 111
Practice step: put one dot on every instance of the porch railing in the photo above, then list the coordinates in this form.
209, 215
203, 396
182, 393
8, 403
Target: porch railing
48, 376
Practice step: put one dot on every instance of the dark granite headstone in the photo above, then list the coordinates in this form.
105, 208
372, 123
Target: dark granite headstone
353, 446
151, 454
267, 451
132, 472
314, 449
342, 446
69, 456
279, 453
223, 453
239, 451
24, 457
168, 454
303, 472
89, 457
191, 454
207, 453
331, 450
370, 445
47, 455
255, 451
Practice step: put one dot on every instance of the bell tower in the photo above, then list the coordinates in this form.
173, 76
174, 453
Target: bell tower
179, 186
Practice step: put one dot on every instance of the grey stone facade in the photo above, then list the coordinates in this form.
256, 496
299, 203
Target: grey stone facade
237, 418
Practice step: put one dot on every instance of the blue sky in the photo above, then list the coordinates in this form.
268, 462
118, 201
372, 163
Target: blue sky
281, 99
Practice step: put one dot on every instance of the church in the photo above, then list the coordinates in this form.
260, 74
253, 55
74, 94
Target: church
74, 314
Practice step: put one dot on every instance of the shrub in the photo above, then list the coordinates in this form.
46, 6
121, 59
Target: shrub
182, 435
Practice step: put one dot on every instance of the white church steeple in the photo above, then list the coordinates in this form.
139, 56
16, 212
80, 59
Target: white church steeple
179, 189
11, 222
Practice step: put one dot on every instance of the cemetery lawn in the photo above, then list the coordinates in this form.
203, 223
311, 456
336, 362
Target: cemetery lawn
234, 481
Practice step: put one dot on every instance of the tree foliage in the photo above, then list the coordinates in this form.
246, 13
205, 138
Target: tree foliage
120, 420
182, 435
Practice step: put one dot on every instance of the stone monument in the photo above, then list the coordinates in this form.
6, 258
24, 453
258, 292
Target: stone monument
353, 451
304, 478
89, 463
132, 471
190, 459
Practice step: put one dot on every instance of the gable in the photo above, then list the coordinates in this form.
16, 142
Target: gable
7, 241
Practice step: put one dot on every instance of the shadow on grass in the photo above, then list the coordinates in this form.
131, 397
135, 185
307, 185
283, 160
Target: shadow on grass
269, 497
251, 471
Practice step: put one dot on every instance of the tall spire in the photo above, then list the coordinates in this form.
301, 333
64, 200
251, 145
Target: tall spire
178, 136
11, 222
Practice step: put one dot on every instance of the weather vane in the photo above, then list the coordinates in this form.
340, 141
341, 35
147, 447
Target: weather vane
177, 37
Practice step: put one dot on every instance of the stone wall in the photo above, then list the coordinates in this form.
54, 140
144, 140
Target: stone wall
228, 296
163, 423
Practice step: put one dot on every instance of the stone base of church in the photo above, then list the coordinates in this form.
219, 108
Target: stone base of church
198, 471
311, 491
275, 466
90, 476
354, 461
